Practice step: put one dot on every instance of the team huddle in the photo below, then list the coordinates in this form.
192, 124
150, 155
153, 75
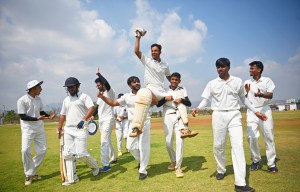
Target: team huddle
130, 113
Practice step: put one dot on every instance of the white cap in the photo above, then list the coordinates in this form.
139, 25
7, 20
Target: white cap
33, 83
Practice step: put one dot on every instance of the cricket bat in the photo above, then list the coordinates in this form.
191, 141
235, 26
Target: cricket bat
62, 164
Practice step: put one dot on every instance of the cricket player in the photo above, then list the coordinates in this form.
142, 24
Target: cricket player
259, 92
106, 122
30, 110
155, 71
224, 93
173, 123
121, 117
138, 146
76, 109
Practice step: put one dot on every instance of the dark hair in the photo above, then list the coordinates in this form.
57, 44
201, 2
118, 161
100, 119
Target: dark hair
132, 79
258, 64
98, 80
120, 95
224, 62
156, 45
175, 74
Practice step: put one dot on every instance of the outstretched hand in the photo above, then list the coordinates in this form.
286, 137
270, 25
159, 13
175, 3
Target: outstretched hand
195, 111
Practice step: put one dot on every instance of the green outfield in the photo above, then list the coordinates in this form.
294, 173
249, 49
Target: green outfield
198, 164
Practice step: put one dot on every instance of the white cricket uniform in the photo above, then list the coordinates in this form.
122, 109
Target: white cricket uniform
174, 125
155, 73
106, 122
264, 84
32, 131
76, 140
227, 117
121, 125
139, 146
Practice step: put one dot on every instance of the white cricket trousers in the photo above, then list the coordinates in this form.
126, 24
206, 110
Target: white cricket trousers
139, 147
107, 151
173, 126
32, 163
75, 144
157, 90
267, 130
223, 121
121, 132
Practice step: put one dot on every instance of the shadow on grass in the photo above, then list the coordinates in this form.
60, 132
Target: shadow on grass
193, 163
116, 169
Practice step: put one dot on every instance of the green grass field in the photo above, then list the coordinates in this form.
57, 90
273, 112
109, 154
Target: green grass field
198, 164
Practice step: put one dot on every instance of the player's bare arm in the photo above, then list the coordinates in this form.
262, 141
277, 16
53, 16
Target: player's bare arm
61, 121
108, 101
137, 46
266, 95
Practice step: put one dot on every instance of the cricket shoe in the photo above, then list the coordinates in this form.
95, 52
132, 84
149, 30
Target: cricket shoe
245, 188
28, 180
254, 166
95, 171
104, 169
172, 166
67, 183
179, 173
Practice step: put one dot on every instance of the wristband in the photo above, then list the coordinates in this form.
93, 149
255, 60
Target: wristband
261, 95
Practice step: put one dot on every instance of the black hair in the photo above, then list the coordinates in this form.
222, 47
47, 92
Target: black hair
175, 74
98, 80
258, 64
132, 79
223, 62
120, 95
156, 45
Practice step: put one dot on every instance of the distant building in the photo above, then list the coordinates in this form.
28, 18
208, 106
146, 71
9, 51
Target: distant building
288, 105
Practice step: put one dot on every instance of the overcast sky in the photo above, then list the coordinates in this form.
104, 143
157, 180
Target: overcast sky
53, 40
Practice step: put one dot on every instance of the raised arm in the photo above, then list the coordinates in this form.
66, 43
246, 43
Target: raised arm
103, 80
137, 46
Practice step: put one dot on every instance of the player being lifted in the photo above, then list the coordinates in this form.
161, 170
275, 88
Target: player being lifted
155, 71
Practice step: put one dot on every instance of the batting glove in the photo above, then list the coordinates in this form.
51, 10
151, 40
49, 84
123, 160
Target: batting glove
80, 124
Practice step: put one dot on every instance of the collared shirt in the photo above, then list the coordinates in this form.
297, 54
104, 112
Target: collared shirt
105, 111
155, 71
30, 106
264, 84
224, 95
128, 99
170, 106
75, 108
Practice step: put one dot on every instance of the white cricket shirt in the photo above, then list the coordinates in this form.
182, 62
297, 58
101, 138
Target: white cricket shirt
30, 106
264, 84
75, 108
224, 95
105, 111
170, 106
155, 71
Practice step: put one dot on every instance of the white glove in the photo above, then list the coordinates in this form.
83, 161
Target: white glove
139, 32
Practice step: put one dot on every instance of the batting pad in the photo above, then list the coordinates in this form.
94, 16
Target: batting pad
141, 107
182, 111
71, 170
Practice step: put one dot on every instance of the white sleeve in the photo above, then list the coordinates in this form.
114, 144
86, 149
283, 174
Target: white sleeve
203, 104
248, 104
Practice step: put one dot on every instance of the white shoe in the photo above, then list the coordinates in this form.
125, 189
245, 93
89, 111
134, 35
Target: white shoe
67, 183
95, 171
179, 173
120, 154
28, 180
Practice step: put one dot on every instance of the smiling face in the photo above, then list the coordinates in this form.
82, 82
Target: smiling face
155, 52
100, 86
254, 71
135, 85
223, 71
174, 82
